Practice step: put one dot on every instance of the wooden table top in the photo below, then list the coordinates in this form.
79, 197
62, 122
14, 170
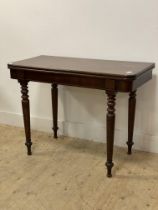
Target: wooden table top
84, 66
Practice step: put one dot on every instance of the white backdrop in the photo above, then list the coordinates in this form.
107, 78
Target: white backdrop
105, 29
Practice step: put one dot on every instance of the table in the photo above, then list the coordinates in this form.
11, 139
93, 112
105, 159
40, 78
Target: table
111, 76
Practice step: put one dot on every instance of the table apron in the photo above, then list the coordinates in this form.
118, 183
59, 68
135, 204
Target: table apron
78, 80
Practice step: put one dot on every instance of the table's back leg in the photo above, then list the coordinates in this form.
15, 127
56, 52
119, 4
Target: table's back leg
54, 91
26, 114
131, 118
110, 118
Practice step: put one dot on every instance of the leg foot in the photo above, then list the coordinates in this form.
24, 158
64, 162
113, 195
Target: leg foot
129, 152
28, 145
109, 166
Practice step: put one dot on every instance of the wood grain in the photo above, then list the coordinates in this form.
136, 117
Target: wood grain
86, 66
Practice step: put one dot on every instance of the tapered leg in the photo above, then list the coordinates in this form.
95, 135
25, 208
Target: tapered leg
131, 118
26, 114
110, 117
55, 108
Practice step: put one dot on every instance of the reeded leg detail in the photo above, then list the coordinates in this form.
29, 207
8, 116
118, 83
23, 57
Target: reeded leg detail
26, 114
110, 118
131, 118
54, 91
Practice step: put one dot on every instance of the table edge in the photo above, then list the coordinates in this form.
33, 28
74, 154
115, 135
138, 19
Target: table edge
131, 76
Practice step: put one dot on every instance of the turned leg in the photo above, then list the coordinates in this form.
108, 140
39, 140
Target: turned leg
55, 108
131, 118
26, 114
110, 119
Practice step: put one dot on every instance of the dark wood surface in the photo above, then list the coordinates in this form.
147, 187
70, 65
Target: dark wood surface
55, 108
86, 66
111, 76
26, 114
131, 118
88, 73
110, 126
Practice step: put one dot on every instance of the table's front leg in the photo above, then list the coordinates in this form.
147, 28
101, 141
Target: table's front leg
110, 118
131, 118
55, 108
26, 114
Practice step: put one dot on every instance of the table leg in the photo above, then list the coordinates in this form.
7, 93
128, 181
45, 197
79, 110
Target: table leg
55, 108
110, 118
26, 114
131, 118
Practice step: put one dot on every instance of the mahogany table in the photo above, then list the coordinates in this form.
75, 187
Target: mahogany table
111, 76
